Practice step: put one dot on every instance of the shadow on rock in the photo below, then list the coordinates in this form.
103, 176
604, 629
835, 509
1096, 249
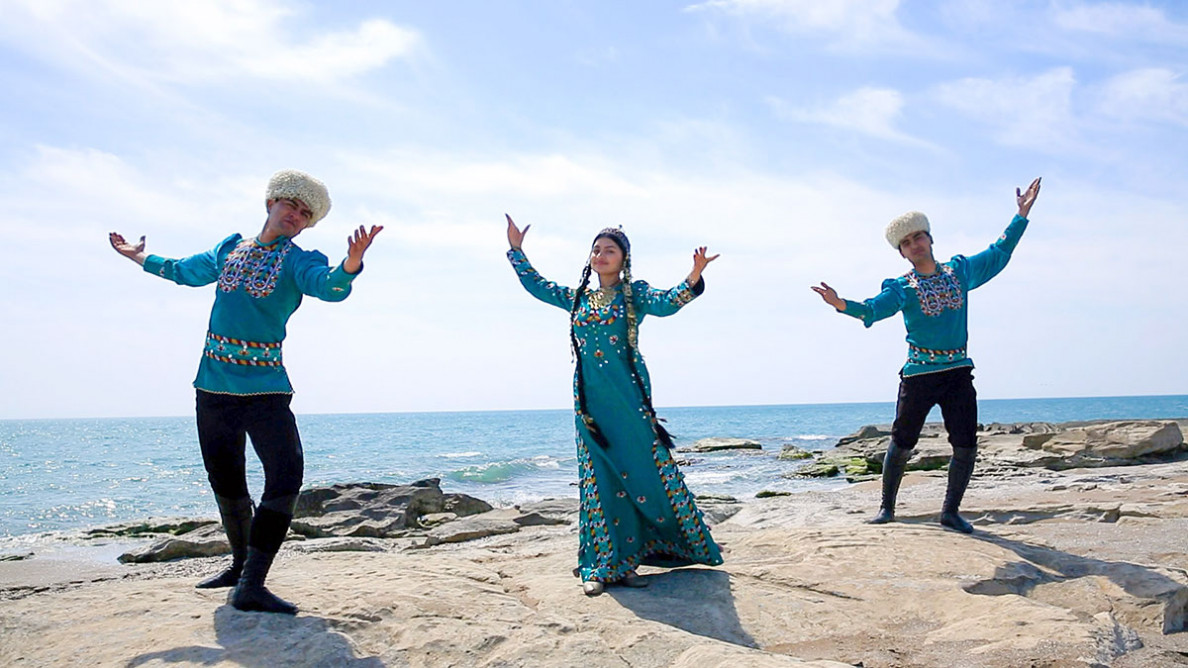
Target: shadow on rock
1151, 597
259, 640
697, 600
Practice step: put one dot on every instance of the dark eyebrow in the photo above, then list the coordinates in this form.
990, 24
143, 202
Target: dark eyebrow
301, 207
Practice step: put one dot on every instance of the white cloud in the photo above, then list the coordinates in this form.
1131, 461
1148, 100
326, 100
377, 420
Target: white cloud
213, 40
1155, 94
77, 188
848, 22
1028, 111
870, 111
1137, 22
438, 297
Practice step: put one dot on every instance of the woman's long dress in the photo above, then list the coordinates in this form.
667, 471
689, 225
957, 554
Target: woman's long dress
635, 508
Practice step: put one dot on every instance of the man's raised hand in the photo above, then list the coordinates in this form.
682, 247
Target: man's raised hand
829, 295
1026, 199
134, 252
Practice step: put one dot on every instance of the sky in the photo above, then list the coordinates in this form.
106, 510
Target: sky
783, 134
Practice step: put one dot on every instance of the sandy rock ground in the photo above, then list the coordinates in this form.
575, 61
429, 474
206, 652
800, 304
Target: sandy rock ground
1084, 567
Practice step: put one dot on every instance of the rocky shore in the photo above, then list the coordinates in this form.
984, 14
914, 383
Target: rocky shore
1080, 558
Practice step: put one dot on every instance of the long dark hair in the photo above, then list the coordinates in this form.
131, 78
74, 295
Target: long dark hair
620, 239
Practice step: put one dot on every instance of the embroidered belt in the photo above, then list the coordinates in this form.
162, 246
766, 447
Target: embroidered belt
928, 356
246, 353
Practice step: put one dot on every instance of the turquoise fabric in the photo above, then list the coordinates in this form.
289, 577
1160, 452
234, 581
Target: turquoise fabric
934, 306
635, 507
259, 287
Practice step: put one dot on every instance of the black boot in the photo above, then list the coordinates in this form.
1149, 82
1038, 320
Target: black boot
961, 466
237, 523
894, 464
251, 594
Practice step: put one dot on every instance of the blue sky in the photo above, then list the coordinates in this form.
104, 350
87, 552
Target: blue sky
782, 133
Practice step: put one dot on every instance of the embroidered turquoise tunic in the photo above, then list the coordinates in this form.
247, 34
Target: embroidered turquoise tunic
934, 306
635, 507
259, 287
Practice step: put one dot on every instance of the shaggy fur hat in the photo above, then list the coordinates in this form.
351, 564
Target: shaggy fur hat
299, 185
907, 224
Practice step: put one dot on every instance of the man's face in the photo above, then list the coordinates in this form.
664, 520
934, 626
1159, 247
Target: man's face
288, 217
916, 247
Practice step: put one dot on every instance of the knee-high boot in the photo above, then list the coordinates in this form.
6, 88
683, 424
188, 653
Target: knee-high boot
268, 532
237, 524
961, 466
894, 464
250, 594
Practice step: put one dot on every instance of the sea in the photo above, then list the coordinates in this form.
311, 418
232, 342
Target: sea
62, 476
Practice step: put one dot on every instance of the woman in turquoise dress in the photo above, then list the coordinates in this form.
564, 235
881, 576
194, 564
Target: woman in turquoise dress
635, 508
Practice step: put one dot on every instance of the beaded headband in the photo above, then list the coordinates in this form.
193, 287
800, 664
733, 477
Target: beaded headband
616, 234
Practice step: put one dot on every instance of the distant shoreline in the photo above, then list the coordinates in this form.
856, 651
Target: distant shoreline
660, 409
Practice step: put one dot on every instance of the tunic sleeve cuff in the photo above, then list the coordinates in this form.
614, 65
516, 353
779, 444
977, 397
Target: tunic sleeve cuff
341, 278
155, 264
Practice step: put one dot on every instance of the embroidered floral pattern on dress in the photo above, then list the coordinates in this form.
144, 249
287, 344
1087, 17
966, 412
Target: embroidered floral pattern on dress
586, 316
594, 532
684, 295
937, 292
523, 268
255, 267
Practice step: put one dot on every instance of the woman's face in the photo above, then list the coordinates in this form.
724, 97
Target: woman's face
606, 257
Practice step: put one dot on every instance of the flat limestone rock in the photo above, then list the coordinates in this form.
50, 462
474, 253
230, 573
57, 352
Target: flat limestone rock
206, 541
338, 544
1022, 445
492, 523
716, 443
1067, 568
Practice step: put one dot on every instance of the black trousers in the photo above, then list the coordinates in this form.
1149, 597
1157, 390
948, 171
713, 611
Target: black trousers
953, 391
224, 423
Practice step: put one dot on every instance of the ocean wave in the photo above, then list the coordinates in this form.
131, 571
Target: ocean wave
710, 477
458, 455
503, 471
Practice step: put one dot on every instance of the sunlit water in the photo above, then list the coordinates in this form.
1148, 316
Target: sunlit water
58, 475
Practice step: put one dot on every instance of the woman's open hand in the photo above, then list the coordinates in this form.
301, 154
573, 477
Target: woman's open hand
700, 262
515, 236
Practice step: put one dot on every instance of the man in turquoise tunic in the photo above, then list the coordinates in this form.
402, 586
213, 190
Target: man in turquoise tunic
242, 387
933, 298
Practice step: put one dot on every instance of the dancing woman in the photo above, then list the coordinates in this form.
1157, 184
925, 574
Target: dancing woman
635, 508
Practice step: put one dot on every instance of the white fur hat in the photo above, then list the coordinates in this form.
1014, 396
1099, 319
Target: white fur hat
907, 224
302, 186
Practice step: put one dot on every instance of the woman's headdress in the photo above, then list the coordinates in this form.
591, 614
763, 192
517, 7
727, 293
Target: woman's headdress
619, 237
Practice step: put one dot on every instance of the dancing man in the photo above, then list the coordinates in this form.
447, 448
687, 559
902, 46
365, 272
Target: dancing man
242, 387
933, 299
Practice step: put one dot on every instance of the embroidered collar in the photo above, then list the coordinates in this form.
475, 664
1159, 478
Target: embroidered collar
914, 278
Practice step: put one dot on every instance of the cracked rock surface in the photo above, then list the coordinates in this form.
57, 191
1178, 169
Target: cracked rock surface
1077, 567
